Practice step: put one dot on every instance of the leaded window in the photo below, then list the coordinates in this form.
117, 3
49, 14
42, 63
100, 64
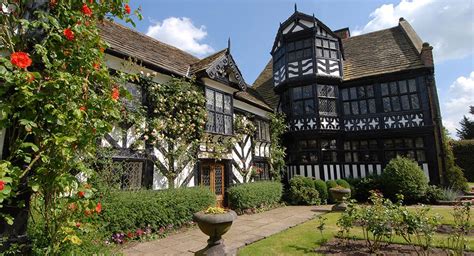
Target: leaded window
327, 99
262, 171
307, 151
219, 112
360, 151
400, 96
329, 151
327, 48
278, 58
303, 100
299, 50
263, 130
358, 100
407, 147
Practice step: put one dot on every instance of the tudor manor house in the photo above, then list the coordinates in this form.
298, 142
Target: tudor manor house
352, 103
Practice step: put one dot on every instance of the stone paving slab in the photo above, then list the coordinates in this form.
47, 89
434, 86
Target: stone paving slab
246, 229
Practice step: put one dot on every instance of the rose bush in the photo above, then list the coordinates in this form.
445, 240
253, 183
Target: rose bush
57, 99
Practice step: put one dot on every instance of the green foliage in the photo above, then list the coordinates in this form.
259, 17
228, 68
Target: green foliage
277, 151
56, 106
343, 183
322, 189
454, 177
466, 132
434, 194
462, 225
463, 151
303, 192
255, 195
360, 188
175, 123
404, 176
127, 211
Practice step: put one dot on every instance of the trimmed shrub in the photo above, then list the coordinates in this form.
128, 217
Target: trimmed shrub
254, 195
434, 194
127, 211
322, 189
361, 187
330, 184
303, 192
404, 176
463, 151
343, 183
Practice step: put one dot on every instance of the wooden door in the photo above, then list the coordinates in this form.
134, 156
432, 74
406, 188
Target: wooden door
212, 175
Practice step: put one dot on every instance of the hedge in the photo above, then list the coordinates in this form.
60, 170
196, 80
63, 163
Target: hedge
322, 189
360, 188
303, 192
463, 153
124, 211
254, 195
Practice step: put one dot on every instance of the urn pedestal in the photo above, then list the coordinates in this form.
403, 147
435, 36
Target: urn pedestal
339, 195
214, 225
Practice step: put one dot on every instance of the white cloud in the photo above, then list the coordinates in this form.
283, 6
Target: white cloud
448, 25
460, 96
181, 33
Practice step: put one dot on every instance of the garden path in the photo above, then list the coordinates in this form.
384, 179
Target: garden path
245, 230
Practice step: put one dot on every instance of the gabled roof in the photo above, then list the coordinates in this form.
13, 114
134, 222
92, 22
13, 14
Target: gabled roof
206, 62
253, 97
127, 42
376, 53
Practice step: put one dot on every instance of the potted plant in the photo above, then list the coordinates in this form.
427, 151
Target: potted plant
214, 222
340, 194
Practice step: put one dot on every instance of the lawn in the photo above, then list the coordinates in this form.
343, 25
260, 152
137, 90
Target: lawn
304, 238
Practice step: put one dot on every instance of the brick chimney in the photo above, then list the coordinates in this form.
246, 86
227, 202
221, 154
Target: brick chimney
343, 33
426, 55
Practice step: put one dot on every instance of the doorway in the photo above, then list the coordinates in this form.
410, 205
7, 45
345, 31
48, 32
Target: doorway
212, 175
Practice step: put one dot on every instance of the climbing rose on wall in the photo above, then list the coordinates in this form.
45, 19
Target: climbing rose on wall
2, 184
115, 93
127, 9
20, 59
86, 10
68, 34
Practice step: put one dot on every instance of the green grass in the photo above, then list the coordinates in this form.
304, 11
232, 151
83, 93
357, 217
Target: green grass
304, 238
471, 184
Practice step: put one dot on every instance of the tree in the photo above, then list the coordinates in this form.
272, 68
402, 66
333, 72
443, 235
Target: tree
175, 123
454, 177
277, 151
466, 132
57, 99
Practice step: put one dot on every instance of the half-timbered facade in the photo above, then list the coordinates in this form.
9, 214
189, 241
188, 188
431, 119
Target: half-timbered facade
353, 103
227, 95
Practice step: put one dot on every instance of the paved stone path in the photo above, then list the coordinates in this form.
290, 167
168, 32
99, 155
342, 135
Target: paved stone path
245, 230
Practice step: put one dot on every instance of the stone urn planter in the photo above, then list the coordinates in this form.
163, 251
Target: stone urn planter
340, 194
214, 225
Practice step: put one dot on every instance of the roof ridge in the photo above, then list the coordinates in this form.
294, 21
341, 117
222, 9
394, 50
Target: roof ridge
149, 37
372, 32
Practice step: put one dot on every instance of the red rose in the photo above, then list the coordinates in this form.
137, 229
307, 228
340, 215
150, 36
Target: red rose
127, 9
20, 59
91, 1
130, 235
115, 94
96, 66
72, 206
87, 212
86, 10
2, 185
98, 208
80, 194
78, 224
68, 34
82, 108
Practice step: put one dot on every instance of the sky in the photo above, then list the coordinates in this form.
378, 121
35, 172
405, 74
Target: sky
203, 27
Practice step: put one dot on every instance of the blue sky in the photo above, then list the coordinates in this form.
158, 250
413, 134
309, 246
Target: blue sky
202, 27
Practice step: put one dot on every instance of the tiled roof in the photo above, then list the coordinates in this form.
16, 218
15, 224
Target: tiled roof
253, 97
128, 42
206, 62
379, 52
264, 86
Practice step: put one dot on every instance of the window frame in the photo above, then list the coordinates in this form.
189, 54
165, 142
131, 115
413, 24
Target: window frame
358, 99
328, 99
392, 97
259, 123
415, 148
214, 112
303, 99
355, 149
290, 50
327, 48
